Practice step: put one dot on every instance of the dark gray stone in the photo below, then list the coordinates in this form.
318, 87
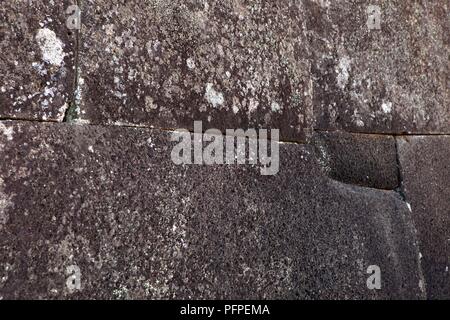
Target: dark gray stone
37, 60
392, 80
426, 181
280, 64
231, 64
362, 159
110, 201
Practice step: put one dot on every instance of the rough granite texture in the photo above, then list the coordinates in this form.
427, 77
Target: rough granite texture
426, 180
360, 159
292, 65
37, 60
231, 64
102, 195
391, 80
111, 201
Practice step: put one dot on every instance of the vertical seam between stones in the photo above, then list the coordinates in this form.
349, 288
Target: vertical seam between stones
401, 191
73, 103
399, 188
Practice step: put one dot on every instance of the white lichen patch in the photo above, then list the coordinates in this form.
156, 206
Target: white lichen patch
121, 293
4, 203
79, 91
343, 72
150, 143
149, 104
253, 105
48, 95
51, 47
40, 68
8, 132
386, 107
190, 63
213, 97
275, 107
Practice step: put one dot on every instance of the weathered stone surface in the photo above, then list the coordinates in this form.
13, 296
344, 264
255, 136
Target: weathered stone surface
266, 64
37, 60
362, 159
110, 201
231, 64
426, 181
391, 80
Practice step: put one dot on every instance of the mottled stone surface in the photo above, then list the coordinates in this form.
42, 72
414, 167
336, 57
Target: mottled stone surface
37, 60
362, 159
426, 176
262, 63
292, 65
391, 80
110, 201
231, 64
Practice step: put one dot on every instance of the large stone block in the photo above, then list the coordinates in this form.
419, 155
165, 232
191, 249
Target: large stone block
110, 201
388, 80
230, 64
37, 60
426, 181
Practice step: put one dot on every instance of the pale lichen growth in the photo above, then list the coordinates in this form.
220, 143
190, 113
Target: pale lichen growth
275, 107
51, 47
343, 72
214, 97
190, 63
386, 107
7, 131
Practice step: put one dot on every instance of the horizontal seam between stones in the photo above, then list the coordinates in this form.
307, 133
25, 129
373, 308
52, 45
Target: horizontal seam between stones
76, 123
17, 120
386, 133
